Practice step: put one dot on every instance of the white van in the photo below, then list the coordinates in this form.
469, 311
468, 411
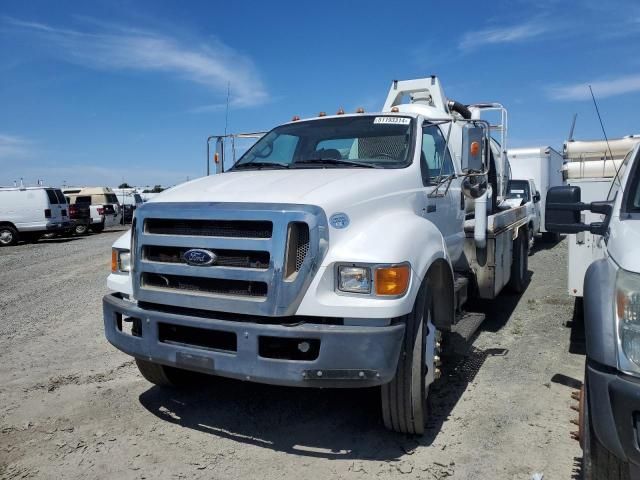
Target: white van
27, 213
105, 208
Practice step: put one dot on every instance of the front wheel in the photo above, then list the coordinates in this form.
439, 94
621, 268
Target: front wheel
163, 375
598, 463
8, 236
405, 400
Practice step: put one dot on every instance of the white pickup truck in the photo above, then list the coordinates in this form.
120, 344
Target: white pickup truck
609, 427
337, 252
524, 193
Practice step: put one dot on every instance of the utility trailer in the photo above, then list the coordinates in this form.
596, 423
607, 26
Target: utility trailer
541, 164
338, 251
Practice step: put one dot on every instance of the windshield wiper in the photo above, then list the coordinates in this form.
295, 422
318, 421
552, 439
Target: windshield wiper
332, 161
259, 165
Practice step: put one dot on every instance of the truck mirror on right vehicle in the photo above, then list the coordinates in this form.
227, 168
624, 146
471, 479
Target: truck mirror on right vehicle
563, 207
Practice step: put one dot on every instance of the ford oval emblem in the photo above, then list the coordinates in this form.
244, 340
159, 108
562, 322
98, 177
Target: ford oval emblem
199, 257
339, 220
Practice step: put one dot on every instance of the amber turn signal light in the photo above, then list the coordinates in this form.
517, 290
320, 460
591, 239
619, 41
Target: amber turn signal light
114, 260
392, 280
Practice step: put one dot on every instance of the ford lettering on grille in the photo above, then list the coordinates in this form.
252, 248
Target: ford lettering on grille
199, 257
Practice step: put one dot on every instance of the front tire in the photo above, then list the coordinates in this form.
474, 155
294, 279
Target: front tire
163, 375
8, 236
598, 463
405, 400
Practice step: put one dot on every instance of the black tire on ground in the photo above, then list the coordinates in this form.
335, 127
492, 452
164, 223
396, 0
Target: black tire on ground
97, 228
598, 463
165, 376
520, 263
405, 401
81, 229
8, 236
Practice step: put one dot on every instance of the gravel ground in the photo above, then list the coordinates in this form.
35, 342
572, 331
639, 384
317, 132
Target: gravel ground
72, 406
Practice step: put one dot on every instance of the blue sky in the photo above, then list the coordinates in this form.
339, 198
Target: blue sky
96, 92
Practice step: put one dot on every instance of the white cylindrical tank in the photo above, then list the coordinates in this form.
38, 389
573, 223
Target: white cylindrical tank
599, 149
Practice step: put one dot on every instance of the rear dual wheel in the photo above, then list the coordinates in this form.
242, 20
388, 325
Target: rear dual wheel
520, 262
405, 400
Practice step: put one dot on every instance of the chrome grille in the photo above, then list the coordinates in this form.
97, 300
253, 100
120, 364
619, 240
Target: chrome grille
210, 228
224, 258
203, 285
254, 246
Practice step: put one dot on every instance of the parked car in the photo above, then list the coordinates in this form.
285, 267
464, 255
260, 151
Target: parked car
524, 192
104, 206
129, 200
610, 397
27, 213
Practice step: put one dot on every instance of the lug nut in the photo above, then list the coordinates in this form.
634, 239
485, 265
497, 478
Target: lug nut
304, 347
437, 361
437, 373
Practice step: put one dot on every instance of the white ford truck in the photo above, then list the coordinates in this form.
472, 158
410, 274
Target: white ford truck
609, 426
337, 252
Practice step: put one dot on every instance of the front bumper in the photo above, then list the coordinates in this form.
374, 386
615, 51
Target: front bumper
614, 407
349, 356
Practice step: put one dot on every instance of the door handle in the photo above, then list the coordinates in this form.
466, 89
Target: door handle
431, 208
461, 200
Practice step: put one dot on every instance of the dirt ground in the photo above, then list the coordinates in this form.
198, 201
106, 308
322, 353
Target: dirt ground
72, 406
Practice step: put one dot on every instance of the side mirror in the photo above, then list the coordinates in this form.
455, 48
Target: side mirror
562, 212
473, 147
536, 197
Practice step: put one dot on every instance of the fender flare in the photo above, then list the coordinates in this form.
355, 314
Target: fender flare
413, 239
599, 321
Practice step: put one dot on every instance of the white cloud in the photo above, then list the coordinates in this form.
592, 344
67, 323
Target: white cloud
212, 63
508, 34
13, 147
601, 88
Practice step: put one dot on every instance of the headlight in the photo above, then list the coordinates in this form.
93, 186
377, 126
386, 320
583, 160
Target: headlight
628, 316
120, 261
354, 279
377, 280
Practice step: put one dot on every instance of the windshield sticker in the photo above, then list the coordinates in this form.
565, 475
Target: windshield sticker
392, 120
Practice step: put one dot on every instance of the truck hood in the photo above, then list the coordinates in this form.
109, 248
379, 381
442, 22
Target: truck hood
624, 243
331, 189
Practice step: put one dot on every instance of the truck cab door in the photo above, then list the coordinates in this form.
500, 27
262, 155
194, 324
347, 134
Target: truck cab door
443, 200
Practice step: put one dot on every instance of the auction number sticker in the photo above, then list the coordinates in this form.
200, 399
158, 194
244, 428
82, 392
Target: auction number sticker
392, 120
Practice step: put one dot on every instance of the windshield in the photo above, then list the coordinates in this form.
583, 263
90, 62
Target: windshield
366, 141
518, 189
632, 192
